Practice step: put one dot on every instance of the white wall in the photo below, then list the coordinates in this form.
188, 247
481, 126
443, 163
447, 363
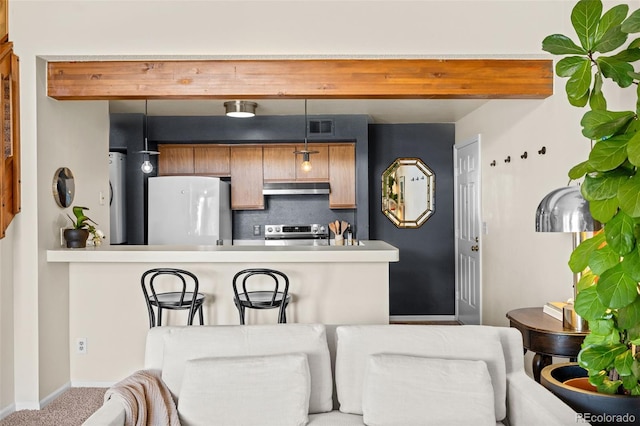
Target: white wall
74, 135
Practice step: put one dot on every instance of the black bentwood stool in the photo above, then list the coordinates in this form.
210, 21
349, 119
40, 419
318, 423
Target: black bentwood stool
186, 296
278, 297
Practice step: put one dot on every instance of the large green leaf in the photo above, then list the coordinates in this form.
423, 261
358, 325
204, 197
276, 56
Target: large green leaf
595, 339
609, 386
616, 70
629, 316
616, 289
610, 19
588, 304
619, 232
568, 66
586, 280
628, 55
585, 17
559, 44
580, 81
631, 265
629, 196
610, 153
613, 39
632, 24
602, 327
580, 170
602, 259
633, 149
579, 259
602, 124
599, 357
597, 100
603, 186
634, 44
577, 102
623, 363
603, 210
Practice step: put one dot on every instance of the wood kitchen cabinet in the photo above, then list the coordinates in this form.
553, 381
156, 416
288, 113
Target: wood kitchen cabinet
246, 177
279, 163
175, 160
211, 160
342, 176
319, 164
282, 165
186, 159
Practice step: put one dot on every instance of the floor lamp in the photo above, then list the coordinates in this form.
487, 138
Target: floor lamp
566, 210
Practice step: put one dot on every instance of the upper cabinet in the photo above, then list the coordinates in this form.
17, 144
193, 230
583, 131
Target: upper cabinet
282, 165
246, 177
206, 160
342, 176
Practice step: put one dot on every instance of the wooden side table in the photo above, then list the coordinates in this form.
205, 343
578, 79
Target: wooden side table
545, 336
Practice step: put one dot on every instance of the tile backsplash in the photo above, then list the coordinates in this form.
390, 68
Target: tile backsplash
290, 210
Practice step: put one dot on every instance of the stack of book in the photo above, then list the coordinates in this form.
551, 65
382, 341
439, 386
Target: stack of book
554, 309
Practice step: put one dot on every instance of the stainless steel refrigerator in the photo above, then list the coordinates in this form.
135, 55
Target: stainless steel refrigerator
188, 210
117, 198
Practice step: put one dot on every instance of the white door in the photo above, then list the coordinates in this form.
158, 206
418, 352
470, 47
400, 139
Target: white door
467, 232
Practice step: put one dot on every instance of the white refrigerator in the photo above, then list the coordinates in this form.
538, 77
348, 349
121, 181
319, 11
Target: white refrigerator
188, 210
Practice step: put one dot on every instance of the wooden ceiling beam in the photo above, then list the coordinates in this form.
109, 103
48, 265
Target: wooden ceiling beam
301, 79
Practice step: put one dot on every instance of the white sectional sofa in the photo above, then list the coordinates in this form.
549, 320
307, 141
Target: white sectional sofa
297, 374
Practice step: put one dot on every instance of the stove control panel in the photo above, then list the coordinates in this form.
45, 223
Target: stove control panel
313, 230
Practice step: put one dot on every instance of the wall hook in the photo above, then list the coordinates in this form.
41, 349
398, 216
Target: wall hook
493, 163
542, 150
508, 159
524, 155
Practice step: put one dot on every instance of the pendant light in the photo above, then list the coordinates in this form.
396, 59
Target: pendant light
240, 109
306, 162
146, 166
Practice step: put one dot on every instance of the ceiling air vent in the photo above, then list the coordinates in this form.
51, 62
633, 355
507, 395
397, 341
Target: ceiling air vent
321, 127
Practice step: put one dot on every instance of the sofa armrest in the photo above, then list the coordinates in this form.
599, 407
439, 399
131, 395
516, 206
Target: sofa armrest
530, 404
111, 413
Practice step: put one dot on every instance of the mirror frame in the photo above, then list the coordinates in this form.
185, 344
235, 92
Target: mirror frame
386, 200
63, 183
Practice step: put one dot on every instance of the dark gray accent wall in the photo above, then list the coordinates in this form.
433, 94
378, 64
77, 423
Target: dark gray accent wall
423, 282
127, 135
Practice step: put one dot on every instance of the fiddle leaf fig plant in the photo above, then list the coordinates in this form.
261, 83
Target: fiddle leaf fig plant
609, 261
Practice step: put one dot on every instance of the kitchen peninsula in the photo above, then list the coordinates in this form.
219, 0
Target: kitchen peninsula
329, 284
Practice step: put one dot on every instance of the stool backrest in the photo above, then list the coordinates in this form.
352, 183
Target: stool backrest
149, 287
280, 283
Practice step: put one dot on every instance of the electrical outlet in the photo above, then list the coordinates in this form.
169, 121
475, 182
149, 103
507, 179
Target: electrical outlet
81, 345
256, 230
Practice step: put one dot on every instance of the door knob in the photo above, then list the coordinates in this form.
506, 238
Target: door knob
475, 248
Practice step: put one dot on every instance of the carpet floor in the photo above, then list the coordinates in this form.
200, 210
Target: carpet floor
71, 408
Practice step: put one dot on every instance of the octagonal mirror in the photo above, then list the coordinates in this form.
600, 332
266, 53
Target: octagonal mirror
408, 192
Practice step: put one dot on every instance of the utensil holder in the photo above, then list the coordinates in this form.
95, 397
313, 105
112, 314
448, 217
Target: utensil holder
339, 240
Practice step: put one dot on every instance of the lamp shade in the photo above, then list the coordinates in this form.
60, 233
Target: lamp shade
565, 210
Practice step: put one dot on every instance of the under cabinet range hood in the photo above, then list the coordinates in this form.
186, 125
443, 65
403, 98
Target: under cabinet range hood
296, 188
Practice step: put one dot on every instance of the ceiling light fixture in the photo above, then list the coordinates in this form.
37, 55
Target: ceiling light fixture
240, 109
146, 166
306, 162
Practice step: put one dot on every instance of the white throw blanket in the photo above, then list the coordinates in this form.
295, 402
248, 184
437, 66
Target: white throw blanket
146, 399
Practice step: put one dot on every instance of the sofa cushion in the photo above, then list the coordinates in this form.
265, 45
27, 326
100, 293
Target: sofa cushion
268, 390
402, 390
185, 343
356, 343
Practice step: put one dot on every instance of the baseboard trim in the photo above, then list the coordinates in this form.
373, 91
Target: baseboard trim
420, 318
92, 384
22, 405
8, 410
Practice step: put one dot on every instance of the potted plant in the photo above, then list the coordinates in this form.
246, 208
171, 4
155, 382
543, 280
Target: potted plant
82, 230
609, 261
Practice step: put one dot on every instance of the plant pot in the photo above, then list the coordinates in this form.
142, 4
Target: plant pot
592, 407
76, 238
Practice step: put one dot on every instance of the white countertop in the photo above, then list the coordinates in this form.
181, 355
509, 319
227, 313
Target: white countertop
368, 251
